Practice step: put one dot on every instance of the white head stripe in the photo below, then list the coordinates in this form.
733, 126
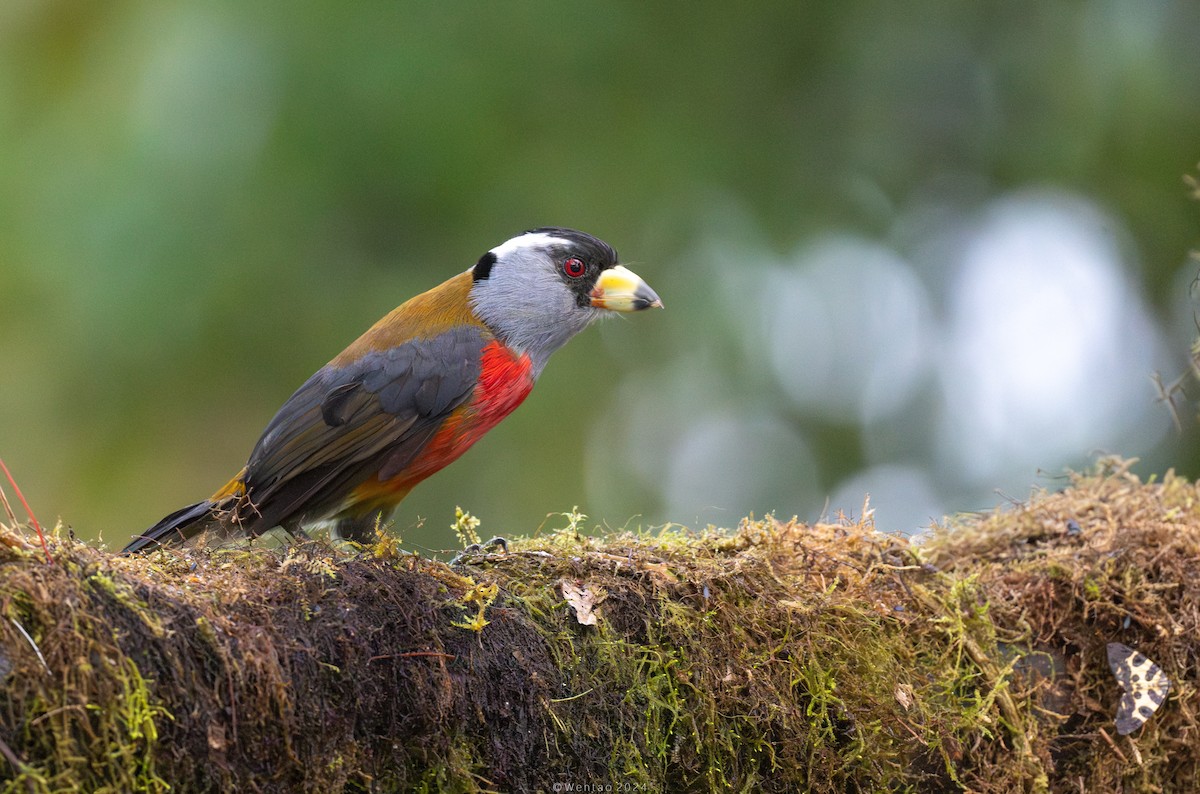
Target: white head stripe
522, 241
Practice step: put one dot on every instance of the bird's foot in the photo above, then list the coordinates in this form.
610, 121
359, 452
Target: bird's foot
481, 548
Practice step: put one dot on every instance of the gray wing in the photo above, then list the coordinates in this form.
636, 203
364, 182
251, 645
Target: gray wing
347, 424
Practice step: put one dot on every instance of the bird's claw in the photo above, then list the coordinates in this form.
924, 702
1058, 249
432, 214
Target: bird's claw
479, 548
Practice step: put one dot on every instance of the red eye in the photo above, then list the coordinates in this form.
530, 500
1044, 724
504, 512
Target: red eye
574, 267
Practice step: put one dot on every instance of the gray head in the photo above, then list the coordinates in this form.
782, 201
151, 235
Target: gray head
542, 287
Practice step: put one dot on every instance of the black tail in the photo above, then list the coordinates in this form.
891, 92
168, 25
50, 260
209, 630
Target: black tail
185, 523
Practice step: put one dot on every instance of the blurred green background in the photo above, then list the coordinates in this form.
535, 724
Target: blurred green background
923, 250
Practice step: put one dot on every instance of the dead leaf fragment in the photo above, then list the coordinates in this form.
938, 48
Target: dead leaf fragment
216, 737
583, 600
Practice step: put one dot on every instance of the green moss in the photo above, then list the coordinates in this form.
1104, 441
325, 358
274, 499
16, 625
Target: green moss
776, 657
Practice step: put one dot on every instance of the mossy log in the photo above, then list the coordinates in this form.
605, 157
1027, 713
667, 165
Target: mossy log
775, 657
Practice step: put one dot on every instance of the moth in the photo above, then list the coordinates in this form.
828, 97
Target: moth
1144, 683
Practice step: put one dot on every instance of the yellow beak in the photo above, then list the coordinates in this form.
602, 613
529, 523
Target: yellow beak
619, 289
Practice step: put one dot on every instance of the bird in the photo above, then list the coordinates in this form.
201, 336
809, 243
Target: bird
414, 392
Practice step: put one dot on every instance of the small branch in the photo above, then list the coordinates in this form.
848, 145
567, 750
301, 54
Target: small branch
32, 518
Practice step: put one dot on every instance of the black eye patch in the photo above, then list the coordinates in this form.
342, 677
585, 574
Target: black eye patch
483, 268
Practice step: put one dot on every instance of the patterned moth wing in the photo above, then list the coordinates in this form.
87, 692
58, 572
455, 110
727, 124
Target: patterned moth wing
1145, 686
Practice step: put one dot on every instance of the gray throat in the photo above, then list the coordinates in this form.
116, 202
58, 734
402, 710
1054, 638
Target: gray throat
528, 325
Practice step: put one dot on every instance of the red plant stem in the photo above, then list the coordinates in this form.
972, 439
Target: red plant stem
28, 511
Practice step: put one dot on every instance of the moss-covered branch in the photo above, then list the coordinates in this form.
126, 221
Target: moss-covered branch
777, 657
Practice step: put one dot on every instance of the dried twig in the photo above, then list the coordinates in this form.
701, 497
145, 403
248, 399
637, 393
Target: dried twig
29, 512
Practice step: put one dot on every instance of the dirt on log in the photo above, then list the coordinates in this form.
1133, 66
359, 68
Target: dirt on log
776, 656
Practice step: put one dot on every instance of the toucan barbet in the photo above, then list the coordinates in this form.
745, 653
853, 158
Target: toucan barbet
415, 391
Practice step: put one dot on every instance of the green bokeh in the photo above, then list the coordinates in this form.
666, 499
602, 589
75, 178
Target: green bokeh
200, 204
